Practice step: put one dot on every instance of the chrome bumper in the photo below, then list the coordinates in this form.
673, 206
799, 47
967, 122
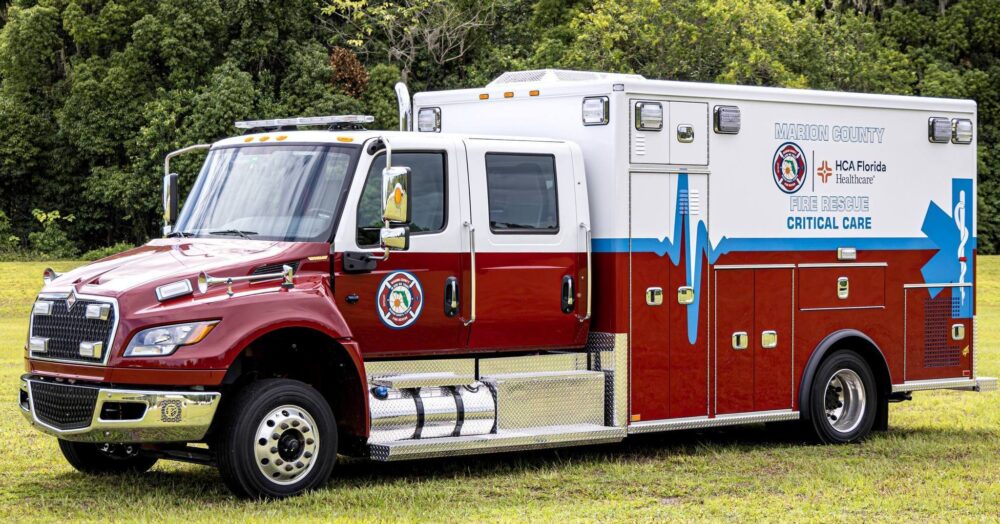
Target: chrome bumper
169, 416
978, 384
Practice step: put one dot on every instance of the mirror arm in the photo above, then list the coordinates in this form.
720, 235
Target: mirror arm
188, 149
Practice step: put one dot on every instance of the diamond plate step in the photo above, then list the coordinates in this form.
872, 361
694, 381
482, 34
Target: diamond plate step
510, 440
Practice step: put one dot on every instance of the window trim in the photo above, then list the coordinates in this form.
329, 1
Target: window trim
555, 186
447, 194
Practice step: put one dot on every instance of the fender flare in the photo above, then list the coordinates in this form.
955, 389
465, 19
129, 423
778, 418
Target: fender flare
822, 349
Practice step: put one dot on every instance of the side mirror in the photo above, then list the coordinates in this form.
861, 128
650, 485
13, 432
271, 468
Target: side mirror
395, 238
396, 194
169, 199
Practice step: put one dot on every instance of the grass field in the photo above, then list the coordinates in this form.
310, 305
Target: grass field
940, 461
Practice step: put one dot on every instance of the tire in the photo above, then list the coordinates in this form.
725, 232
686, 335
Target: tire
105, 459
278, 438
843, 399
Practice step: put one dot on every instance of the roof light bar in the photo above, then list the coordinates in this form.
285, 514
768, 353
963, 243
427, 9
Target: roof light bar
305, 121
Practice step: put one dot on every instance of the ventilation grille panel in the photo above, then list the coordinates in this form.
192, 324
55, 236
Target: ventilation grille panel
938, 313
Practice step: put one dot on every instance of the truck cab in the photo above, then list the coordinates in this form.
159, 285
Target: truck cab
277, 279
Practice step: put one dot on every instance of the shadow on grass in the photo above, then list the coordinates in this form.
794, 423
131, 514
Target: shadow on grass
203, 486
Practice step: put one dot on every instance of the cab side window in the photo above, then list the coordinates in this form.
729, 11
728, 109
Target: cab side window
521, 189
427, 196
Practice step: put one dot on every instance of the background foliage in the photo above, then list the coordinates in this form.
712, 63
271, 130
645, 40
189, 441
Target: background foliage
94, 93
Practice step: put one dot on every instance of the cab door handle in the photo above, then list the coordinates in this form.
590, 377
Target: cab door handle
451, 297
568, 299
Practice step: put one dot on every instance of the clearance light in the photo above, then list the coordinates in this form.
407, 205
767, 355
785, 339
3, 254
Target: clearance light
727, 120
648, 116
484, 96
429, 120
939, 130
279, 138
508, 94
344, 139
265, 138
961, 131
533, 92
164, 340
595, 111
248, 139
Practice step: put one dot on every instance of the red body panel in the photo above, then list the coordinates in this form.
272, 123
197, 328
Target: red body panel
735, 314
650, 345
772, 386
817, 287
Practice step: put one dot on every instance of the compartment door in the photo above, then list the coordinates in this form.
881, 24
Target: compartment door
772, 340
650, 296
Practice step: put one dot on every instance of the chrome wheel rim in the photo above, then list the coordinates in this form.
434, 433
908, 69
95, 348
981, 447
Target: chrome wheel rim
845, 400
286, 444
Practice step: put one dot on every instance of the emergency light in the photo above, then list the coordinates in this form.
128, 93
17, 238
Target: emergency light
429, 120
961, 131
727, 120
648, 116
595, 111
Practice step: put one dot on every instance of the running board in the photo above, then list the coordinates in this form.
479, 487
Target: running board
508, 440
734, 419
979, 384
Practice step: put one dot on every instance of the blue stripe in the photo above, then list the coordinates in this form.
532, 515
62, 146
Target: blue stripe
729, 245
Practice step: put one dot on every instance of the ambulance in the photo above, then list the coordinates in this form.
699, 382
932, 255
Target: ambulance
559, 258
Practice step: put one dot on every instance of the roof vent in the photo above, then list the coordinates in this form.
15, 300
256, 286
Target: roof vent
558, 75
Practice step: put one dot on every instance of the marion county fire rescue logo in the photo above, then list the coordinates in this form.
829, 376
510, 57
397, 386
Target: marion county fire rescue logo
789, 167
400, 299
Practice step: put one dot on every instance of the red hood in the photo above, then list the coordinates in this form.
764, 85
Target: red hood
168, 260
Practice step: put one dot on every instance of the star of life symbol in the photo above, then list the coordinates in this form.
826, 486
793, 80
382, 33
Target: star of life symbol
824, 172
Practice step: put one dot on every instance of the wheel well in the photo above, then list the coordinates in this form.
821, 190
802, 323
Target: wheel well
314, 358
866, 348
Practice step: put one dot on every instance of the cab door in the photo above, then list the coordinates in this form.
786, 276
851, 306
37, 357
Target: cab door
526, 246
410, 303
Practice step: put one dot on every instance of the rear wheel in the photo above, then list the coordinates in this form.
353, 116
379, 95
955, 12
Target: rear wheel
105, 459
278, 439
843, 399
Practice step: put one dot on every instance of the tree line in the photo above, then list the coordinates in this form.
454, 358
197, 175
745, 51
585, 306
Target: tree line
94, 93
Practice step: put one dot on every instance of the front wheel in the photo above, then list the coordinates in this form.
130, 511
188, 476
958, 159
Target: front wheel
105, 459
844, 399
278, 438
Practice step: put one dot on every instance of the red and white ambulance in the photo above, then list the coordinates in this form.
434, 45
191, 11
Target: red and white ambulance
558, 258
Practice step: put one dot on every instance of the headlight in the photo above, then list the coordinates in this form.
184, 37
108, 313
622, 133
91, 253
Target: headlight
164, 340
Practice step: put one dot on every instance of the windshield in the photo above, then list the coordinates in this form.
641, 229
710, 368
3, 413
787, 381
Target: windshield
287, 193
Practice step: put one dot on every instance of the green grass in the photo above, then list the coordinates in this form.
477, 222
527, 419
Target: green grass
939, 461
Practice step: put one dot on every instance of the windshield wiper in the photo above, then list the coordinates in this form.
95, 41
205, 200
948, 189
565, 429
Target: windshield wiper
182, 234
235, 232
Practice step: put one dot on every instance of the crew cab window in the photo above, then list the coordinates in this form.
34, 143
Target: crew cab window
427, 196
521, 190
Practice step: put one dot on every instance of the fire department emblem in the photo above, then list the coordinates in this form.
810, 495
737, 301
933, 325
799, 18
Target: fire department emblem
789, 167
400, 299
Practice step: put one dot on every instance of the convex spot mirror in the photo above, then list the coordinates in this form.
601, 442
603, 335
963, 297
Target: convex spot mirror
395, 238
396, 194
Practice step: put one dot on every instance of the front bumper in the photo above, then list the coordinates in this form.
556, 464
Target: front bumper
154, 416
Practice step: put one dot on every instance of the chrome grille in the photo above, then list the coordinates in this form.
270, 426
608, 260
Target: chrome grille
67, 327
63, 406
